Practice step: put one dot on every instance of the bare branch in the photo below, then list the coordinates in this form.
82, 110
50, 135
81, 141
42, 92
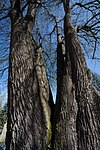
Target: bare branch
94, 49
2, 71
84, 5
97, 14
4, 17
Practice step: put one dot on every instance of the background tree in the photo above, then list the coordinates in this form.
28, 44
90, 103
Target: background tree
3, 115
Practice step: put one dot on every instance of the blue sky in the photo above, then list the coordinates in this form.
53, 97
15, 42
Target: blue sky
94, 65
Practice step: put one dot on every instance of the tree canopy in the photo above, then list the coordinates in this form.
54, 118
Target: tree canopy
85, 17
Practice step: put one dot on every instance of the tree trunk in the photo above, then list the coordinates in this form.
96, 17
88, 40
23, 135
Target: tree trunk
28, 124
44, 94
66, 107
77, 122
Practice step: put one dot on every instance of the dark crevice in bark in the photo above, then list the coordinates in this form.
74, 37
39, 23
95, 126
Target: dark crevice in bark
52, 107
60, 71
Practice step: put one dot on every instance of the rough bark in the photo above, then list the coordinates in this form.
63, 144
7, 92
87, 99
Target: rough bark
66, 107
44, 93
77, 122
28, 125
86, 123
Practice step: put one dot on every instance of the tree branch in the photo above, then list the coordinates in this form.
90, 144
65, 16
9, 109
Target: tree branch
31, 8
86, 6
4, 17
92, 18
94, 49
2, 71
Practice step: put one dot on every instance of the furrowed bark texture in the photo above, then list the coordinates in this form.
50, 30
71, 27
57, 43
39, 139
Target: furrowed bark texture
28, 126
66, 107
77, 123
44, 92
86, 123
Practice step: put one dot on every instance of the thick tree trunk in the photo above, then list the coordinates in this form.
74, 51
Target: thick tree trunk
28, 124
66, 107
77, 122
44, 93
86, 123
